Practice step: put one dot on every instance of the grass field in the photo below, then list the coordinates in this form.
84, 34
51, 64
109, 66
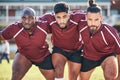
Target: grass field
34, 74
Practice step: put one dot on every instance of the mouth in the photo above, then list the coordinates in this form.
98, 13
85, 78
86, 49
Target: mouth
26, 26
93, 27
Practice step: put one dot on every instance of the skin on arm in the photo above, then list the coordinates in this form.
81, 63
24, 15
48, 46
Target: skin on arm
118, 57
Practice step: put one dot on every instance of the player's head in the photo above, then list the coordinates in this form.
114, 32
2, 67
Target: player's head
61, 10
28, 18
94, 16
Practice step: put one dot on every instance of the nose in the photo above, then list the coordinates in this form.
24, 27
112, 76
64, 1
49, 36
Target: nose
92, 23
26, 21
61, 20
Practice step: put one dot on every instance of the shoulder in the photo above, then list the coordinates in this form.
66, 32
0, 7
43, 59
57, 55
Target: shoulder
109, 28
75, 12
82, 25
49, 17
9, 31
42, 25
14, 26
46, 16
77, 15
110, 31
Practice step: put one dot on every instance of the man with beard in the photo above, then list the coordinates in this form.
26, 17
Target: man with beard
65, 39
101, 44
30, 37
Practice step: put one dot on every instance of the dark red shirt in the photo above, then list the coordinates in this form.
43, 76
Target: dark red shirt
102, 42
32, 46
68, 38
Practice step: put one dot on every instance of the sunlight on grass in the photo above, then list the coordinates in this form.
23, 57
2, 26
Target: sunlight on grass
34, 73
97, 74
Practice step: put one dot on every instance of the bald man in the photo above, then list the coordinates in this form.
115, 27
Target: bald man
30, 37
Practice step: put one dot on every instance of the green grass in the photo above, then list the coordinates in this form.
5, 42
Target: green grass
34, 73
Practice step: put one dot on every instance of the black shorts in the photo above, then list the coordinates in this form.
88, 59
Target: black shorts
46, 63
90, 64
74, 56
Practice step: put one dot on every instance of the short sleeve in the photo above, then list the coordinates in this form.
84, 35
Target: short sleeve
9, 32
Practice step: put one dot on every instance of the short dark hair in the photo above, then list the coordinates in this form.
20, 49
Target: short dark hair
94, 8
61, 7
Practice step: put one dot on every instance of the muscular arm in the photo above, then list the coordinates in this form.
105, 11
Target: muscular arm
118, 67
49, 17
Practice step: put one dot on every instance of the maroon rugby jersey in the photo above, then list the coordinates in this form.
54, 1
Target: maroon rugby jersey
68, 38
33, 47
102, 42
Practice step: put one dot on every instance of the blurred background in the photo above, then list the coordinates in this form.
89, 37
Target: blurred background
10, 11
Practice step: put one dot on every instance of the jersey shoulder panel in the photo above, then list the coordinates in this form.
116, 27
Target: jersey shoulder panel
11, 30
82, 25
42, 25
110, 33
108, 27
47, 17
77, 15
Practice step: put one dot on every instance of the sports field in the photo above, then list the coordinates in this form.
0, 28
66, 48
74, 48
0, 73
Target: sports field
34, 74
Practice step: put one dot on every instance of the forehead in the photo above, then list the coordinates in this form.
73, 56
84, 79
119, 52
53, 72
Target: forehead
61, 14
27, 16
93, 15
